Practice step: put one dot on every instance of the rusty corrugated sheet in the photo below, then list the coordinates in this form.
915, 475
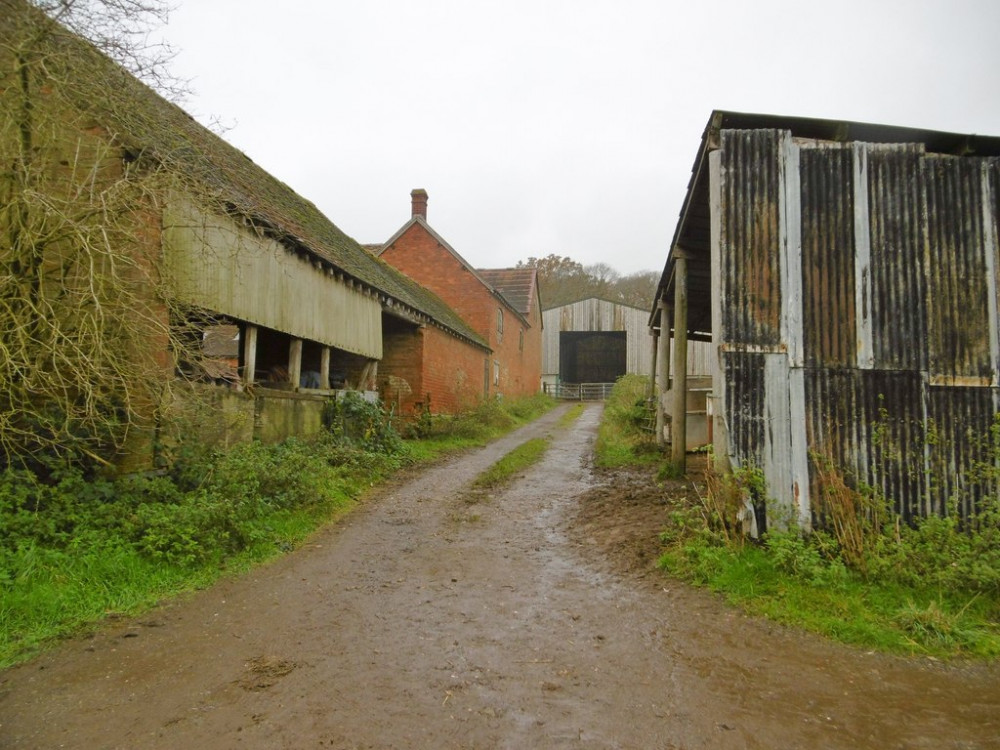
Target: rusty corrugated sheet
898, 320
749, 245
958, 287
827, 201
744, 389
962, 448
869, 424
899, 329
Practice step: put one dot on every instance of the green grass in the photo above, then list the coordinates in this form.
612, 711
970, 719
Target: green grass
51, 593
884, 616
572, 414
523, 456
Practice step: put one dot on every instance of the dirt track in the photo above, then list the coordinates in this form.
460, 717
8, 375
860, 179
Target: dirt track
436, 618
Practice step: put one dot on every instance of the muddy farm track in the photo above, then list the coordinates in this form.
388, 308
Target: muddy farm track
530, 618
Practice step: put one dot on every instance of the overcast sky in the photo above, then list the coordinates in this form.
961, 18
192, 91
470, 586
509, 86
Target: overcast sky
557, 126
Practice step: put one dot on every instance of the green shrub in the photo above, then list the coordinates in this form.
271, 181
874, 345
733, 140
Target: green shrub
362, 423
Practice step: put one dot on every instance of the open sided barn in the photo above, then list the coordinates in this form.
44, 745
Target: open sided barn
846, 275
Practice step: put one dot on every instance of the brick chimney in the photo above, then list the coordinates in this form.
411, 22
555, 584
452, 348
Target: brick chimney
418, 199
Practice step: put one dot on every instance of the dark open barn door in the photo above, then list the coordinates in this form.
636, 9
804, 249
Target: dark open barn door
591, 356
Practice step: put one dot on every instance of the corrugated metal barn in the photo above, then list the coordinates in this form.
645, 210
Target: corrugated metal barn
596, 341
846, 274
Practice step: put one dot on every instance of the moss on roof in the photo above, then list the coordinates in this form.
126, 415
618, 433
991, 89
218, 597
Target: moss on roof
152, 130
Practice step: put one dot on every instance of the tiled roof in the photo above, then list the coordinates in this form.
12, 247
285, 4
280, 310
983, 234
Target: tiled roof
151, 130
516, 284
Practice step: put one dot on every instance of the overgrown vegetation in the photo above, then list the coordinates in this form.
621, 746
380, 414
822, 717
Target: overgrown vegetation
621, 441
866, 578
74, 549
86, 316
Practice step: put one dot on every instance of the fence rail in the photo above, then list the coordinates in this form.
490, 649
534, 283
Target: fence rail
581, 391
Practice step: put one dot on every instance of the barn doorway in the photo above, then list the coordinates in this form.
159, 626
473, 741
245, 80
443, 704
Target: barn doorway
591, 356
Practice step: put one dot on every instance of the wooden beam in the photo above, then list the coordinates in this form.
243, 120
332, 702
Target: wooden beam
678, 425
324, 367
666, 312
249, 354
651, 393
295, 362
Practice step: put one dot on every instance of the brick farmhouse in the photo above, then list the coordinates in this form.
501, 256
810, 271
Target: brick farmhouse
501, 305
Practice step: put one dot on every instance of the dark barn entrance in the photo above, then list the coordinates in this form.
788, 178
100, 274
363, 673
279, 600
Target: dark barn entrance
591, 356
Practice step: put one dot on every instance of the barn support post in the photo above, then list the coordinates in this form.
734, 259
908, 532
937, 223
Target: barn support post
249, 354
324, 367
295, 362
678, 425
655, 331
665, 314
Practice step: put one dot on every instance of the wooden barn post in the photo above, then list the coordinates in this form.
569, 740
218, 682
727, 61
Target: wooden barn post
678, 426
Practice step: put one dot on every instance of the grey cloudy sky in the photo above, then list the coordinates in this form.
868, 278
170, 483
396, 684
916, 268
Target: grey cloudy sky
557, 126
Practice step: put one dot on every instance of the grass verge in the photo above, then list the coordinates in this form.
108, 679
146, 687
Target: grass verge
827, 598
74, 551
930, 590
621, 441
519, 459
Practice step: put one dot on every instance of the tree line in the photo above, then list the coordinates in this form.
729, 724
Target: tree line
562, 280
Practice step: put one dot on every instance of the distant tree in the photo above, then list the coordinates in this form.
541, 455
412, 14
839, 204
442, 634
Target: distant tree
562, 280
603, 279
637, 289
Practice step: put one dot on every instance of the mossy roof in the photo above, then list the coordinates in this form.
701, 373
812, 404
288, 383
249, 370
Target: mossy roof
150, 128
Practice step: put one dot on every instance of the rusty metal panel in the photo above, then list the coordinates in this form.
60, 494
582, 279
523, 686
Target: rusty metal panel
833, 429
892, 413
958, 294
899, 328
750, 236
871, 425
744, 406
828, 287
898, 386
962, 448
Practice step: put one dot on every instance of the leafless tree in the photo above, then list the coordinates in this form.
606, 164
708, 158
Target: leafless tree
81, 317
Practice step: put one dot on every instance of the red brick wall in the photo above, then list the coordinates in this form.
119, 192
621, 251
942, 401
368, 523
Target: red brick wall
418, 362
453, 371
400, 372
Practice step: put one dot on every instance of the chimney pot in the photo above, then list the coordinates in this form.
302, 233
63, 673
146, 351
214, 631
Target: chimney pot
418, 200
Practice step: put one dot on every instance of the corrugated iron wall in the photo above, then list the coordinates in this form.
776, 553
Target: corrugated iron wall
898, 318
899, 330
750, 238
957, 269
827, 185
